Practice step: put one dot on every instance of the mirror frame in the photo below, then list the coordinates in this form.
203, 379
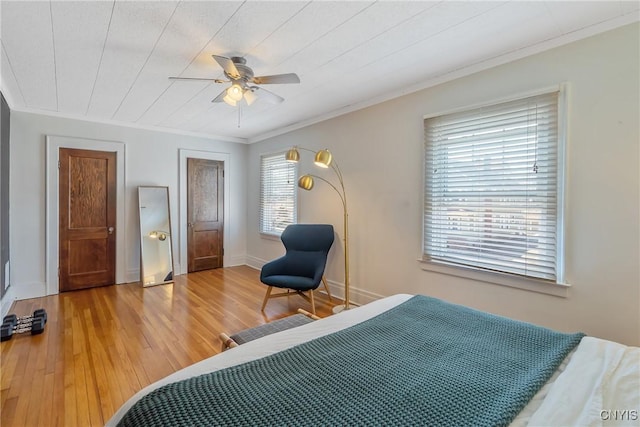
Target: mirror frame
173, 266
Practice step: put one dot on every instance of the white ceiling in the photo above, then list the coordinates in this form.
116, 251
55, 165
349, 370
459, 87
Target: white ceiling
109, 61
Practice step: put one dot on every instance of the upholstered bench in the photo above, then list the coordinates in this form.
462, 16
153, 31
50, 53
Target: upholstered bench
302, 318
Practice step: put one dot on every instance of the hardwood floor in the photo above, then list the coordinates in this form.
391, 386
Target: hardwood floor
102, 345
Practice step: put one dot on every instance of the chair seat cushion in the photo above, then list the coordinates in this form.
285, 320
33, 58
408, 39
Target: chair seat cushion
299, 283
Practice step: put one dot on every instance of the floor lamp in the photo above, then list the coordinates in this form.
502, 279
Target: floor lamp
324, 159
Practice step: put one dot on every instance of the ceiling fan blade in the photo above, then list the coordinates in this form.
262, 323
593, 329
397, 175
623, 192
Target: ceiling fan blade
276, 79
269, 96
198, 78
220, 97
228, 66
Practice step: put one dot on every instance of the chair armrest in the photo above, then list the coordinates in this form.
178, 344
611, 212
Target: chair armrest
304, 264
277, 266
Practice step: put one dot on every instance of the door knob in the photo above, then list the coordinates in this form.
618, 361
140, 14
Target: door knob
110, 230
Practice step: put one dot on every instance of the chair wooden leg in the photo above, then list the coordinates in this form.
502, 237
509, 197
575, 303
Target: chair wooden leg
266, 297
326, 288
313, 302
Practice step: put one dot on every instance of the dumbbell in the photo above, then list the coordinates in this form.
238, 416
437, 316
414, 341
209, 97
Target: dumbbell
13, 324
12, 318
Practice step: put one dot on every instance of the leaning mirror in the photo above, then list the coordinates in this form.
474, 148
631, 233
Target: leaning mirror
156, 254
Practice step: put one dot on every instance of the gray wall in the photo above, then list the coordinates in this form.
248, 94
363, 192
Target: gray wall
152, 158
380, 149
4, 192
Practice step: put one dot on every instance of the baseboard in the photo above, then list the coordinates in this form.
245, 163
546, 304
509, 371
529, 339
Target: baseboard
234, 260
29, 290
133, 275
36, 290
254, 262
357, 296
364, 297
7, 301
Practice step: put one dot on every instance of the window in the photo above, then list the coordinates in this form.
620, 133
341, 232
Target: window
278, 206
492, 180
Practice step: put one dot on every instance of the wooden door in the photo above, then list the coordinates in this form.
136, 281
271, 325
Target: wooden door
205, 181
87, 216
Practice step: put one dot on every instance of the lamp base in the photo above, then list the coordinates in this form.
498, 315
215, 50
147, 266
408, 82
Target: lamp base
339, 308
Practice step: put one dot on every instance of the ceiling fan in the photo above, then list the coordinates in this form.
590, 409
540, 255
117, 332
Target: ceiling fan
243, 82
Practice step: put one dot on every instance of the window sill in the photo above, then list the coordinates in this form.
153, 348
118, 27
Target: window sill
269, 236
503, 279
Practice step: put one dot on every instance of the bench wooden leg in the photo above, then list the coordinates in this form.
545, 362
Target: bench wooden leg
309, 315
227, 342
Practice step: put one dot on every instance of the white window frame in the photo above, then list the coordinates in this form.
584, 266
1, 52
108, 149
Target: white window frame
267, 219
559, 287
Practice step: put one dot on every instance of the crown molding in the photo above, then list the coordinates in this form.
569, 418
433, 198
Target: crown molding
14, 107
450, 75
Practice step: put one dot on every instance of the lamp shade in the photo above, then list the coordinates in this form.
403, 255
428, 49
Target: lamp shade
235, 92
249, 96
229, 100
323, 158
292, 155
305, 182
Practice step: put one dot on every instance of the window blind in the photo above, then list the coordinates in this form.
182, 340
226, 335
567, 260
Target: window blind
277, 193
491, 180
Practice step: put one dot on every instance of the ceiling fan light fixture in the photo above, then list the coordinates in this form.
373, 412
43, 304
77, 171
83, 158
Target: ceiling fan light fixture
229, 100
242, 80
235, 92
249, 96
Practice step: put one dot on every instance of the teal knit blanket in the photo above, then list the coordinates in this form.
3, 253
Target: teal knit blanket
425, 362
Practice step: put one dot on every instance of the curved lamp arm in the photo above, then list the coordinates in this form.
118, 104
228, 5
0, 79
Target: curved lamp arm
293, 156
334, 165
306, 182
343, 195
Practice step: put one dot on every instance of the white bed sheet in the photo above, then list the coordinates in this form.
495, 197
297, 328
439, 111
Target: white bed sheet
575, 395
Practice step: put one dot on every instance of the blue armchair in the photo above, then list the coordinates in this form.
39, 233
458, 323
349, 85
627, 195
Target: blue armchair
301, 269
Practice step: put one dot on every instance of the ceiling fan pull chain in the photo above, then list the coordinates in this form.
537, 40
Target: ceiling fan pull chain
239, 115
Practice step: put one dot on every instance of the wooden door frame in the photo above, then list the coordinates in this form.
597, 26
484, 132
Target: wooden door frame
53, 145
182, 267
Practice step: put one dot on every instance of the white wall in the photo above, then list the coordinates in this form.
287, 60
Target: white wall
152, 158
380, 152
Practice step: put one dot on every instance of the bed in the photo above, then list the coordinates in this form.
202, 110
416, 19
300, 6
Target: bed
402, 360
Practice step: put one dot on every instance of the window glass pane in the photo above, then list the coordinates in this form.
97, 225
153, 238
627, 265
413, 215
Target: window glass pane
277, 193
491, 180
